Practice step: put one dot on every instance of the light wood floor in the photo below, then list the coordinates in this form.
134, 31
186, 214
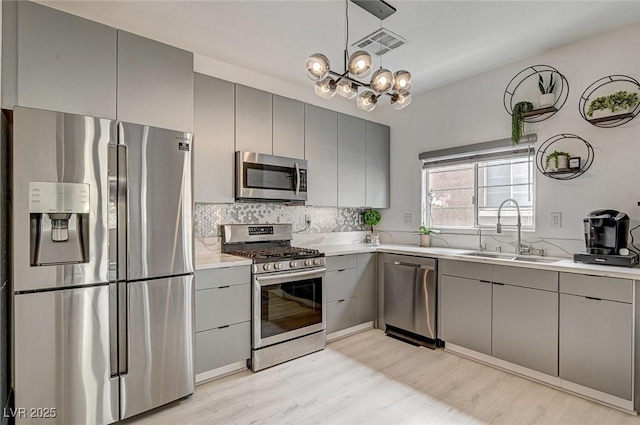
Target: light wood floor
370, 378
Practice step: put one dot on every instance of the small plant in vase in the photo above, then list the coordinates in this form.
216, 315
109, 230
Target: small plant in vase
547, 96
517, 120
372, 218
425, 235
560, 161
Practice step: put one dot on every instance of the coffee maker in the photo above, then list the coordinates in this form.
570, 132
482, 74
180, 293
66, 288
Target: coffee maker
605, 234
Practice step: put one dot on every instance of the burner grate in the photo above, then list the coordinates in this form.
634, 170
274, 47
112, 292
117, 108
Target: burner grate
276, 252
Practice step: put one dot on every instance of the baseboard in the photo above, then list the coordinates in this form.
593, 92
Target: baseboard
350, 331
221, 372
608, 400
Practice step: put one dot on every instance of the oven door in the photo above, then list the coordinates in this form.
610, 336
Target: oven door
288, 305
270, 177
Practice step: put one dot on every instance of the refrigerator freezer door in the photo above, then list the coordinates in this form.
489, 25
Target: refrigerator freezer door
160, 367
158, 175
62, 362
70, 151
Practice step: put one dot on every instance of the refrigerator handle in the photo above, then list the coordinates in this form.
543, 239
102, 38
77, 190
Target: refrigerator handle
123, 335
113, 329
123, 218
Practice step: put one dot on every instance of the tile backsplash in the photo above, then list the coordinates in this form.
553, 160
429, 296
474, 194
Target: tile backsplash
209, 217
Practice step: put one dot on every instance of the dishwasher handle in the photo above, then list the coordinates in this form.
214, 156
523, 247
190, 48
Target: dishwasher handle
417, 266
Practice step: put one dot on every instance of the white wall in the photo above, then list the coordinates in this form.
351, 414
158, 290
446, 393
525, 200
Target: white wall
471, 111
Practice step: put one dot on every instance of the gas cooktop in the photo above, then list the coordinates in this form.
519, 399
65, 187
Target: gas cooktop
278, 252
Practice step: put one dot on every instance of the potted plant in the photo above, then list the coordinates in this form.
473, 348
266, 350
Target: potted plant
547, 96
517, 120
425, 235
560, 161
372, 218
620, 102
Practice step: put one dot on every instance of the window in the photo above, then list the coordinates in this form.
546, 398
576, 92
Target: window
466, 192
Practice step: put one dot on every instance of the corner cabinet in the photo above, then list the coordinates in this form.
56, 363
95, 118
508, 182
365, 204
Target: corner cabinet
155, 83
321, 150
378, 167
213, 151
57, 61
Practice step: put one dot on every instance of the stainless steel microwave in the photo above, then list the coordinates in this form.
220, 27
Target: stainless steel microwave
261, 177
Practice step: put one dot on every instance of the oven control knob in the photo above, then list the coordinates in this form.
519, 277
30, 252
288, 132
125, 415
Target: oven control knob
317, 261
277, 266
267, 267
308, 262
293, 264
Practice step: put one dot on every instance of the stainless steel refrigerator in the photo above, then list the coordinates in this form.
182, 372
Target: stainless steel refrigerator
102, 268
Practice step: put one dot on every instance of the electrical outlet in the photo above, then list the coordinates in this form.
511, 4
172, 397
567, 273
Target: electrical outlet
556, 220
408, 218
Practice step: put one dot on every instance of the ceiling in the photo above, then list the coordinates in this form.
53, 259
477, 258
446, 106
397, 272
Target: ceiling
447, 40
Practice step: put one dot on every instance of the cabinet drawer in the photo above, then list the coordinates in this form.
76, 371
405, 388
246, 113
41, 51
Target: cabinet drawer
222, 306
341, 315
607, 288
340, 262
214, 278
466, 269
341, 284
223, 346
527, 278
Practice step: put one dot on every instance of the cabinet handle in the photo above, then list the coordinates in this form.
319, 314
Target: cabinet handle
495, 283
224, 287
486, 281
594, 298
341, 270
222, 327
340, 301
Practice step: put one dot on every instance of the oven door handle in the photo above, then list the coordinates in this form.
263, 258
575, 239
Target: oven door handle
289, 276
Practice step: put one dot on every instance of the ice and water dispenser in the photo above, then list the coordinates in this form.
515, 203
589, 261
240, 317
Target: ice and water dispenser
59, 217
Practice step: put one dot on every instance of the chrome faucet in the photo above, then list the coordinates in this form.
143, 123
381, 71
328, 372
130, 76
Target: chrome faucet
519, 225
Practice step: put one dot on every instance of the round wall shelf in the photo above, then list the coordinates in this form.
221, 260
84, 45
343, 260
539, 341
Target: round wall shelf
561, 141
531, 74
615, 83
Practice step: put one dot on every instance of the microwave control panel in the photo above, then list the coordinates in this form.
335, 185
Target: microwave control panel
303, 180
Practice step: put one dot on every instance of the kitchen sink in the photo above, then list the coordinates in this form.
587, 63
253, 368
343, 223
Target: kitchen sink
511, 257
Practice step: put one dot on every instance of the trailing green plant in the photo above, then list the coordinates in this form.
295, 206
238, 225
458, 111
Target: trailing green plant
614, 102
553, 156
424, 230
549, 87
517, 120
372, 218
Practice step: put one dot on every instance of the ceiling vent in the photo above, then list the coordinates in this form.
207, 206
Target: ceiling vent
380, 42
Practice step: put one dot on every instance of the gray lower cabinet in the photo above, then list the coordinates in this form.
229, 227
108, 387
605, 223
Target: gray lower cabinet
525, 327
288, 127
351, 167
214, 146
254, 120
377, 158
155, 83
367, 294
596, 341
465, 313
321, 150
223, 317
57, 61
350, 284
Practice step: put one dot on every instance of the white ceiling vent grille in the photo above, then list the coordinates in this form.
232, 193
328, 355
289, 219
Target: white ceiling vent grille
380, 42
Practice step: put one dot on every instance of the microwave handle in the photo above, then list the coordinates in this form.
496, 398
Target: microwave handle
297, 178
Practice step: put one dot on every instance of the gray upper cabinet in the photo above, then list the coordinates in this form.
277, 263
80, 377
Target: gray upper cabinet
64, 62
321, 150
213, 153
254, 125
155, 83
378, 155
288, 127
351, 161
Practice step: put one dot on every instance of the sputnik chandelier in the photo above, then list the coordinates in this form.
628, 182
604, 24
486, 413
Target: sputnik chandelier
358, 66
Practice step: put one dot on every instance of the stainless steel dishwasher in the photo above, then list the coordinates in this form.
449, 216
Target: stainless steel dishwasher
410, 291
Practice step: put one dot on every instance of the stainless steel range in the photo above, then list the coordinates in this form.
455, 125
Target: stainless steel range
289, 308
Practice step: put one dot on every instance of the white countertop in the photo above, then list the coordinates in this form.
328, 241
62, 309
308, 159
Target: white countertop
217, 260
